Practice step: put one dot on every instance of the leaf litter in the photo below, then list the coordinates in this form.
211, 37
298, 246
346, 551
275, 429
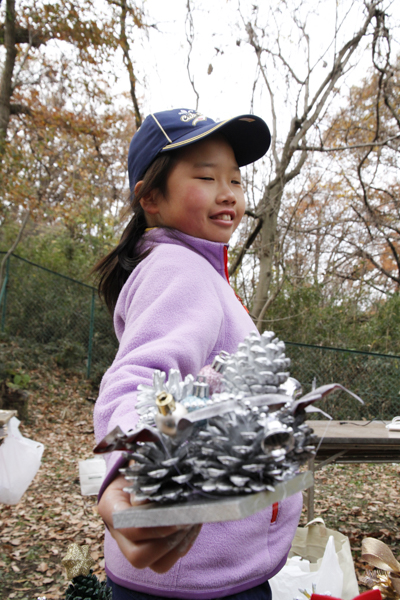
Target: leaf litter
358, 500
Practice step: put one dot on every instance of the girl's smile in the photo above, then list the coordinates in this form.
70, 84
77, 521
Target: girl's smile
204, 196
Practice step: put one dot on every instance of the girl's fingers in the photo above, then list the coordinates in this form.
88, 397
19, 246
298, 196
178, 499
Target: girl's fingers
142, 534
146, 553
189, 540
156, 547
114, 500
165, 563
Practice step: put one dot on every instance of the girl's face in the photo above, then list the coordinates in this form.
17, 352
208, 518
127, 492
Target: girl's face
204, 196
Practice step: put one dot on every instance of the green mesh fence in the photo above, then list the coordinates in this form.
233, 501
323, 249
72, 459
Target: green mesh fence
67, 318
60, 313
373, 377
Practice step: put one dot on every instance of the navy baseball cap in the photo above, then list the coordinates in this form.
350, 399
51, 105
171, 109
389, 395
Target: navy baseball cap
169, 130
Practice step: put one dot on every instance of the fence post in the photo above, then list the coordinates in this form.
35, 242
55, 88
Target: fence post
3, 295
91, 330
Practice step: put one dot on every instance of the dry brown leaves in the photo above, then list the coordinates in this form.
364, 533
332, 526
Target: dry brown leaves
358, 500
35, 534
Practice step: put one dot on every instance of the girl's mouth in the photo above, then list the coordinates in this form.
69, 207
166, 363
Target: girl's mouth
223, 217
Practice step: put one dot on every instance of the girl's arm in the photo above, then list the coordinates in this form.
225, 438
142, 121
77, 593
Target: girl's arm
170, 317
158, 548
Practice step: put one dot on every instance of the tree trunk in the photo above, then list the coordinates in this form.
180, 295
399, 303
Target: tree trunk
128, 63
272, 199
7, 74
289, 161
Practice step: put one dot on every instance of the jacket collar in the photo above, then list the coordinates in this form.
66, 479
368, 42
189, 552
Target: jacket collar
215, 252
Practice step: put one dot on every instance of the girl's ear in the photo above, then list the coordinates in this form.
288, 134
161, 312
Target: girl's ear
137, 187
149, 202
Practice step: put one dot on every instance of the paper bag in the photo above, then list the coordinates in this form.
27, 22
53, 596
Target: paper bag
91, 475
297, 581
311, 543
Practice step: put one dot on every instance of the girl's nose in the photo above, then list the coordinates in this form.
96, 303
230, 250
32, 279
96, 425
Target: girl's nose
226, 195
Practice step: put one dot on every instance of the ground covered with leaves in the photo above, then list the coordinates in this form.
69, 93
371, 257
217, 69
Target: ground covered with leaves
358, 500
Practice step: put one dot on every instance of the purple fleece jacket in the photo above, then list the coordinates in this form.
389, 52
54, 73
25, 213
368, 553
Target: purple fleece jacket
177, 310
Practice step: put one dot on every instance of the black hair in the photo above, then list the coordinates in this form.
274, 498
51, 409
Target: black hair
115, 268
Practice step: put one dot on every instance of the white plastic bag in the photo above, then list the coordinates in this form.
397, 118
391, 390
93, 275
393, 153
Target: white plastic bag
310, 542
297, 581
19, 462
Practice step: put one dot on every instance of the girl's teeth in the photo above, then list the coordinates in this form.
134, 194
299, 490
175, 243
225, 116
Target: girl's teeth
224, 217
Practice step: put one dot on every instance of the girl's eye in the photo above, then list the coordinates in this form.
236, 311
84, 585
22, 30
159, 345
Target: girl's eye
206, 178
236, 182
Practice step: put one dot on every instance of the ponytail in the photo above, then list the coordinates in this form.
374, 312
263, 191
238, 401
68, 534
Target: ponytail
115, 268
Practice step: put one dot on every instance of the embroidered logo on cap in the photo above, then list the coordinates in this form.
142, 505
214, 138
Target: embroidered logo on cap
190, 115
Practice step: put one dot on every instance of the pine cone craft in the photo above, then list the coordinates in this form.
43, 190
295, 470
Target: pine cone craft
84, 585
88, 587
244, 439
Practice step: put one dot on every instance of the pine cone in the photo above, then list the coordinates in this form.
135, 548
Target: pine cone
241, 448
88, 588
160, 471
258, 367
243, 451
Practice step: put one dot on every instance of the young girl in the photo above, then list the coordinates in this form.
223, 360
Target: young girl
167, 286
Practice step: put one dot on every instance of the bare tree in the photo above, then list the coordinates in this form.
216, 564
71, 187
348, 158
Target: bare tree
309, 94
127, 9
362, 139
372, 247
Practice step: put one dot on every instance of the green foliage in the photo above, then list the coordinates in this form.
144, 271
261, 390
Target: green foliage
58, 248
19, 381
53, 314
12, 370
376, 379
308, 315
70, 354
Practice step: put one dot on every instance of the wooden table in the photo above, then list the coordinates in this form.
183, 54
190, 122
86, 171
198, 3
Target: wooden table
351, 442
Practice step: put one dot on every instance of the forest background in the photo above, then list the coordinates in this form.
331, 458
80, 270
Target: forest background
317, 258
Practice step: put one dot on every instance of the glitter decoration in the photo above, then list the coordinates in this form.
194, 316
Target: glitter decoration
77, 561
146, 402
201, 395
213, 378
246, 438
259, 366
386, 575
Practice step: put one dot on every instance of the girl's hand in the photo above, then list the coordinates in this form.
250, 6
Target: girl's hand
156, 547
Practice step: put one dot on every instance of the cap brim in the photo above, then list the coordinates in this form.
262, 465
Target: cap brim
248, 135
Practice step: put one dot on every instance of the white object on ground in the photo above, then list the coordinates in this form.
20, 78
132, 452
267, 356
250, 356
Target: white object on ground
20, 460
91, 475
297, 580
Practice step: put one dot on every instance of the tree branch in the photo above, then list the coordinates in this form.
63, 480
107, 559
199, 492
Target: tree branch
268, 303
189, 39
19, 109
128, 63
238, 260
7, 74
372, 144
23, 35
322, 94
